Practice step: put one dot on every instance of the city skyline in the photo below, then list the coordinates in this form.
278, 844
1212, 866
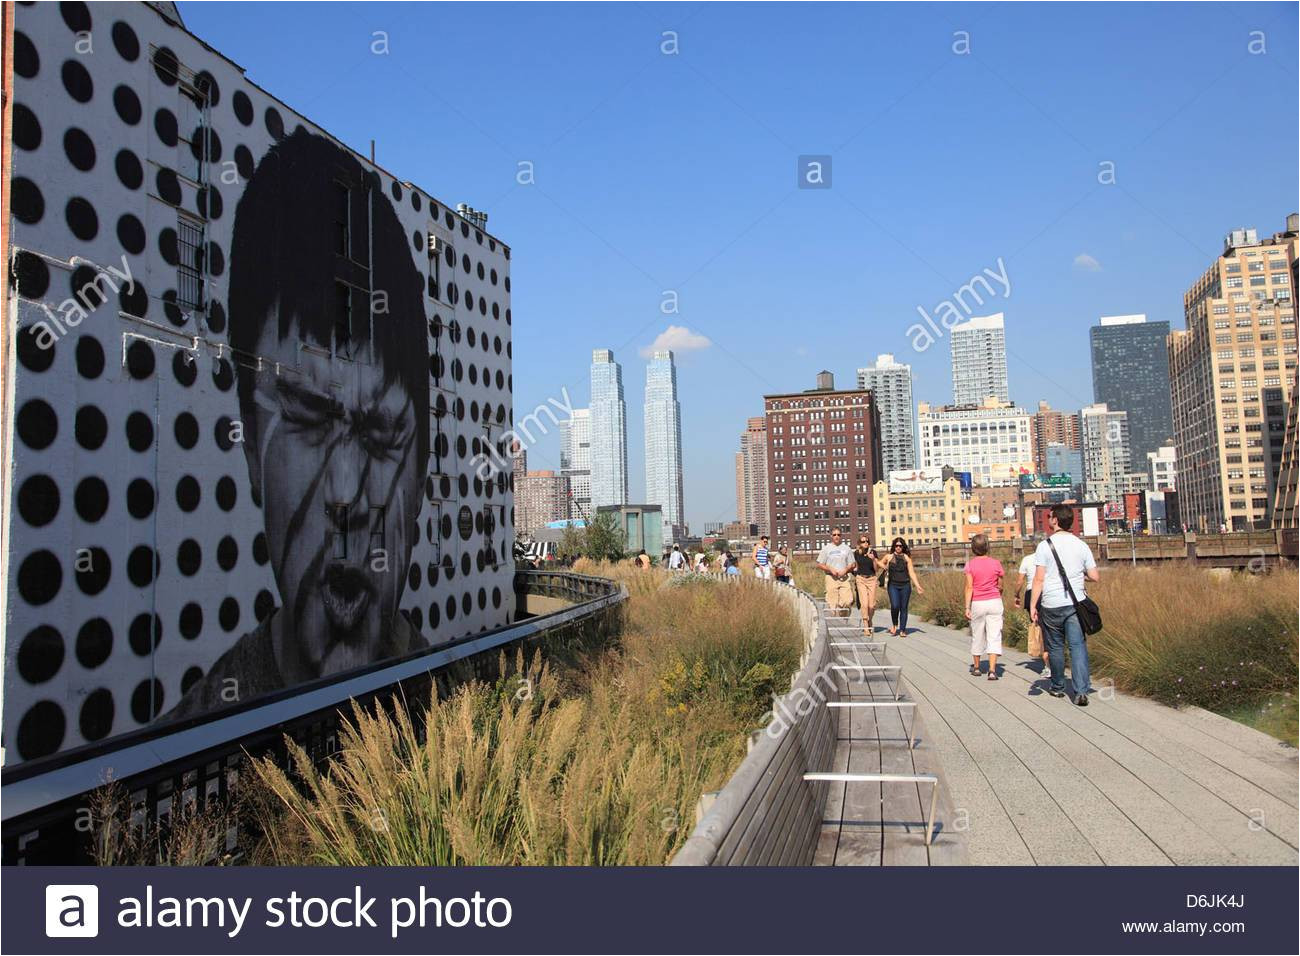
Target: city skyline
680, 128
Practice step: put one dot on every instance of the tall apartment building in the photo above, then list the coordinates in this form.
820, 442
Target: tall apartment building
979, 360
1130, 372
1107, 459
518, 469
575, 461
751, 475
663, 442
355, 327
991, 440
608, 431
1052, 427
1232, 372
891, 382
823, 458
1286, 511
541, 497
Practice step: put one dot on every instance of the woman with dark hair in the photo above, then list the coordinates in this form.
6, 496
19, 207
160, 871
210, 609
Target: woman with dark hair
900, 576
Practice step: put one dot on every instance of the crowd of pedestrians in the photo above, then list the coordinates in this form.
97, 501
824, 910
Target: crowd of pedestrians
1050, 587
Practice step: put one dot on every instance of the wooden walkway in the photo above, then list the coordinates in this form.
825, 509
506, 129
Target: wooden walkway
1027, 778
874, 824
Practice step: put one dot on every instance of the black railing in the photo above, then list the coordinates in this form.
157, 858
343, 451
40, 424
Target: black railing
197, 764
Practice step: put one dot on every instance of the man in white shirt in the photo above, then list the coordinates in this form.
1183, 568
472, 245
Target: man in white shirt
676, 560
1025, 586
835, 560
1056, 614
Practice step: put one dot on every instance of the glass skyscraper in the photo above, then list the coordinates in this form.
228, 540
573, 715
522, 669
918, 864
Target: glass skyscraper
575, 461
1130, 372
663, 440
608, 431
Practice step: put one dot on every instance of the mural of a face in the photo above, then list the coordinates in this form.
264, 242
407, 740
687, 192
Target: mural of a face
328, 325
336, 470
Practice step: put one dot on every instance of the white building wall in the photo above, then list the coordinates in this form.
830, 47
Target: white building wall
138, 543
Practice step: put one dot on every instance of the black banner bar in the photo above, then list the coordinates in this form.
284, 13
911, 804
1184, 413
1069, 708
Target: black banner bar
572, 910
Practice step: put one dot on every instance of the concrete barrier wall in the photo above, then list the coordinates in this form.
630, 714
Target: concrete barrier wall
767, 815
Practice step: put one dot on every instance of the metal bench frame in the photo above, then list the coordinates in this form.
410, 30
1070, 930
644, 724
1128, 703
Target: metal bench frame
883, 778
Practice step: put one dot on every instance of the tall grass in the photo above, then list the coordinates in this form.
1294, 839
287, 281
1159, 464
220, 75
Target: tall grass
599, 762
1178, 634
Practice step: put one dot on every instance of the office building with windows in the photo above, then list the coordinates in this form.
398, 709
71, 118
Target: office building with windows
1130, 372
751, 475
991, 440
575, 461
823, 458
1052, 427
1107, 460
891, 383
663, 442
608, 431
1232, 375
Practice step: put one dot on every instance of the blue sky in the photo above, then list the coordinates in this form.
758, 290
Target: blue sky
677, 171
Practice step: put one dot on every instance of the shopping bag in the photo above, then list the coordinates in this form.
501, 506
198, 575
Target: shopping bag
1035, 640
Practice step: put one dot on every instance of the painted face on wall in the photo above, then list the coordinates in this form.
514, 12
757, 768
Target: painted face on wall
335, 465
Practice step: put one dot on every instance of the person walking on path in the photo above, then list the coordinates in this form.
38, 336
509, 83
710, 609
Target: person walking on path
1060, 559
835, 560
643, 561
676, 560
762, 560
780, 567
730, 566
901, 578
864, 576
1024, 589
984, 605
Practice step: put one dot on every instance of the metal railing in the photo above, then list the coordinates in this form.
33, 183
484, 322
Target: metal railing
194, 762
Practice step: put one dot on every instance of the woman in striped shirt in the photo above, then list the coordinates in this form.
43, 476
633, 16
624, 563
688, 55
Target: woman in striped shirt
762, 560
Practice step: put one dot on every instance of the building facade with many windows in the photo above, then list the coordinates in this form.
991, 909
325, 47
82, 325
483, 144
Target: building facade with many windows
823, 458
608, 431
979, 360
891, 383
663, 441
575, 461
1050, 426
991, 440
1130, 372
1107, 458
751, 475
1232, 371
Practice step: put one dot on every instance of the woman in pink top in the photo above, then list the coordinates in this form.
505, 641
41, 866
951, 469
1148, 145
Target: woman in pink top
984, 605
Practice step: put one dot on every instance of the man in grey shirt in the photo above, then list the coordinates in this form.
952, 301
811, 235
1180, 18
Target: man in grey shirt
835, 560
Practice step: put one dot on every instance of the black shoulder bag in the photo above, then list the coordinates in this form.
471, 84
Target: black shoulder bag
1089, 613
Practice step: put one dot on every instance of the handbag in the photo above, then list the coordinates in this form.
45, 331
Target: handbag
1087, 610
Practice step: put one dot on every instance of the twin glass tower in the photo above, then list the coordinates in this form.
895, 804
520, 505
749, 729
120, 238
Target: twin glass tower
663, 435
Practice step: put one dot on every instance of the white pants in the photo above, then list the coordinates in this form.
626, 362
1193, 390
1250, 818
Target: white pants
986, 627
763, 571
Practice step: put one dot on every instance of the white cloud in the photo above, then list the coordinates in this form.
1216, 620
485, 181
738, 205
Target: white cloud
679, 339
1086, 263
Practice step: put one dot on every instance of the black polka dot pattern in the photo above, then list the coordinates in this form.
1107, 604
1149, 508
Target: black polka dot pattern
139, 550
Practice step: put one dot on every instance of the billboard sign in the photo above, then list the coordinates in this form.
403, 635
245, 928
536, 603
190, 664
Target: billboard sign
913, 480
1062, 480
